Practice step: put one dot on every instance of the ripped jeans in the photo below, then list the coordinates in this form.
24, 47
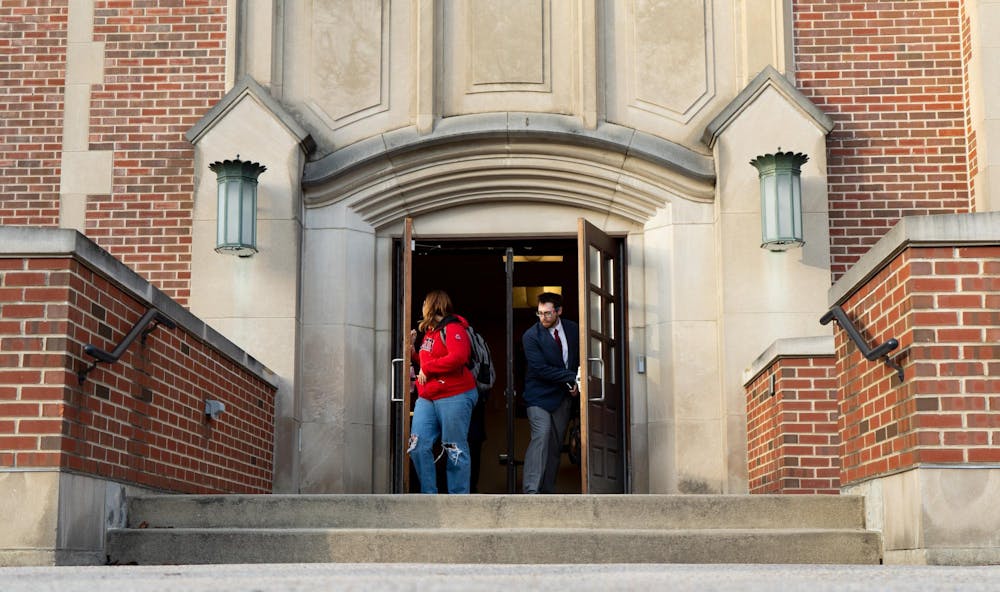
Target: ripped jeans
447, 418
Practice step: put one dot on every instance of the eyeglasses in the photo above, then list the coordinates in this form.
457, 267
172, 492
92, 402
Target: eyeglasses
547, 314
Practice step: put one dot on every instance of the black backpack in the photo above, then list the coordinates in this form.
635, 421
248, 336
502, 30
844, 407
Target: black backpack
480, 358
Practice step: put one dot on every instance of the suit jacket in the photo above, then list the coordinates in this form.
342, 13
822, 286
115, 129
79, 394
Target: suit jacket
546, 377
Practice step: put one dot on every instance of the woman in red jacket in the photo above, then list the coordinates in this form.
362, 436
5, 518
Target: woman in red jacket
446, 393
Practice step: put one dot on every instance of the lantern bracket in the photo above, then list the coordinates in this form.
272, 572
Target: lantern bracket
882, 351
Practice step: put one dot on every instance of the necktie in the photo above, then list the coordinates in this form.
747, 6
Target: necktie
558, 341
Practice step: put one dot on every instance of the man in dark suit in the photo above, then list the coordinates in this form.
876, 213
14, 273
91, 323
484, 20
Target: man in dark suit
552, 353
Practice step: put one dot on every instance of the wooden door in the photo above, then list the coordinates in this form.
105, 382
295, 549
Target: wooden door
602, 412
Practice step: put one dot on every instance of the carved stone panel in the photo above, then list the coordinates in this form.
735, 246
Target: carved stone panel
671, 69
350, 48
509, 42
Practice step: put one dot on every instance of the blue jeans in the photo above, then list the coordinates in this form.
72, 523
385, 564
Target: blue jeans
448, 419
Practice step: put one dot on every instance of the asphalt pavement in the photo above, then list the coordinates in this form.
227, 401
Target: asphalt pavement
316, 577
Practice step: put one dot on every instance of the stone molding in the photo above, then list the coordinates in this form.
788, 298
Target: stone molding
796, 347
767, 78
509, 156
250, 87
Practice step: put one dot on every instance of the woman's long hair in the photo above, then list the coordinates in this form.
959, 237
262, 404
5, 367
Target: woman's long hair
437, 305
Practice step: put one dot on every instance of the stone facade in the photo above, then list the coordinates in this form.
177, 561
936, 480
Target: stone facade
486, 120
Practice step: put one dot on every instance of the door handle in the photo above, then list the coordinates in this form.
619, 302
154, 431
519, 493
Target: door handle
392, 380
601, 398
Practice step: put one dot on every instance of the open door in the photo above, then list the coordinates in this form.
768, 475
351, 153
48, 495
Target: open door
602, 413
401, 393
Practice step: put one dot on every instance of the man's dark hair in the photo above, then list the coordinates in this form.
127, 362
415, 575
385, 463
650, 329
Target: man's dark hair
550, 297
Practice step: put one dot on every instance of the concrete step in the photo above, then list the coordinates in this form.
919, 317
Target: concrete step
494, 529
498, 511
509, 545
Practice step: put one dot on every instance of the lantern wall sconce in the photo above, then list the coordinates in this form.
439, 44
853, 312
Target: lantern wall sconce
780, 199
237, 214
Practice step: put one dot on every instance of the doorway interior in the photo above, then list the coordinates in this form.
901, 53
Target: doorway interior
473, 273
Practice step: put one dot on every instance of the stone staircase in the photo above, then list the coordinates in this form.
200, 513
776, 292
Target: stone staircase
182, 529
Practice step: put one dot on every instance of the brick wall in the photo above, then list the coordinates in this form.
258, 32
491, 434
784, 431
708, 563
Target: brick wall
792, 437
32, 73
140, 420
943, 305
164, 69
891, 74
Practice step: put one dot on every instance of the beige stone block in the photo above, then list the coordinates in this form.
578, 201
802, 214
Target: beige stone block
76, 123
349, 59
286, 455
959, 507
693, 273
691, 212
662, 467
335, 216
323, 457
498, 219
85, 63
989, 23
737, 478
337, 374
73, 211
639, 450
464, 64
659, 382
82, 512
670, 69
260, 26
384, 274
29, 502
381, 465
990, 84
637, 380
991, 131
358, 461
338, 279
261, 286
80, 21
658, 258
86, 172
700, 456
696, 391
270, 340
508, 42
903, 526
384, 373
757, 280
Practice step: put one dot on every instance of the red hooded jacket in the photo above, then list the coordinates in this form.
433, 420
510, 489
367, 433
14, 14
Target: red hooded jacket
445, 361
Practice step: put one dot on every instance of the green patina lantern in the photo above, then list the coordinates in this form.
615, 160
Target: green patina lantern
780, 199
237, 216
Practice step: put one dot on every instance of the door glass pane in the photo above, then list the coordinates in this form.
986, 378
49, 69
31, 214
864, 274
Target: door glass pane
594, 263
612, 356
595, 313
611, 277
596, 356
611, 320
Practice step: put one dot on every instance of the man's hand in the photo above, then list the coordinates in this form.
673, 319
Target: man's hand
574, 391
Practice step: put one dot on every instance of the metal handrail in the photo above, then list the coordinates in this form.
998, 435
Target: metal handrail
152, 316
882, 351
